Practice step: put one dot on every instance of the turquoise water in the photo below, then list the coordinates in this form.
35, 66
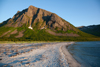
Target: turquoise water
86, 53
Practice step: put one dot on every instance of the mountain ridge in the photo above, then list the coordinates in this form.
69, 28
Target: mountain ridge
38, 24
32, 15
91, 29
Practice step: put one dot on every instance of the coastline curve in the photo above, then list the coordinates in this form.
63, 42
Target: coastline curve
70, 60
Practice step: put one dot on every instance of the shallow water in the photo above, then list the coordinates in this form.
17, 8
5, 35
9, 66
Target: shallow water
86, 53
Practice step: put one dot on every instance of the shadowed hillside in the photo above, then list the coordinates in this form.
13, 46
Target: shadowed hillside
92, 29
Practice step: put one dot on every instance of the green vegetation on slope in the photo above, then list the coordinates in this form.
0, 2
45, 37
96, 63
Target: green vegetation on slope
93, 32
4, 29
92, 29
42, 35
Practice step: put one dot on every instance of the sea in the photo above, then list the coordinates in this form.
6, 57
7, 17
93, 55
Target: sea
86, 53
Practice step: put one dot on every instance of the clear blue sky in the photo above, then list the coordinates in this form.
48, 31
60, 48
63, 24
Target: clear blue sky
77, 12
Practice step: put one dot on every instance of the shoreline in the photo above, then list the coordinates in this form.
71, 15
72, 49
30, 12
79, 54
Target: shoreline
37, 56
70, 60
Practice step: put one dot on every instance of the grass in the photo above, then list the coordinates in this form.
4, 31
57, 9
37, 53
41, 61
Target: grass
42, 35
4, 29
22, 42
68, 31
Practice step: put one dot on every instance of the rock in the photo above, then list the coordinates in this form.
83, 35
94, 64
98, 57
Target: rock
32, 15
0, 59
18, 11
27, 64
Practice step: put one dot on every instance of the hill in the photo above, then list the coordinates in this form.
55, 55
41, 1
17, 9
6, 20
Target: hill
92, 29
35, 24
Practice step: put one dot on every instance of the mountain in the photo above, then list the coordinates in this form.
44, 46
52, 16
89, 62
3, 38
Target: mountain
92, 29
39, 25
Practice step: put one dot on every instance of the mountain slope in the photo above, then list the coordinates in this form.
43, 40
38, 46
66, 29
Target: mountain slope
39, 18
92, 29
38, 24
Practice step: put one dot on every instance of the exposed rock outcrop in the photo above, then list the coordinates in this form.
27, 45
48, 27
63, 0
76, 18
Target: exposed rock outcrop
20, 34
33, 15
37, 18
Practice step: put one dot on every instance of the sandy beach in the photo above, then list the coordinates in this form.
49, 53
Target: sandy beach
37, 55
70, 60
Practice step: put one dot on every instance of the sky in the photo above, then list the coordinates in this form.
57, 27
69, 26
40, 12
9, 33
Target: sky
77, 12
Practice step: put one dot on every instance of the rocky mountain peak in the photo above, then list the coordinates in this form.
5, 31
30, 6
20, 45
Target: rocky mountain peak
39, 18
31, 11
31, 7
18, 11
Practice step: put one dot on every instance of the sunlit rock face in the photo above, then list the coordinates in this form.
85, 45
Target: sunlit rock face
38, 19
33, 15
